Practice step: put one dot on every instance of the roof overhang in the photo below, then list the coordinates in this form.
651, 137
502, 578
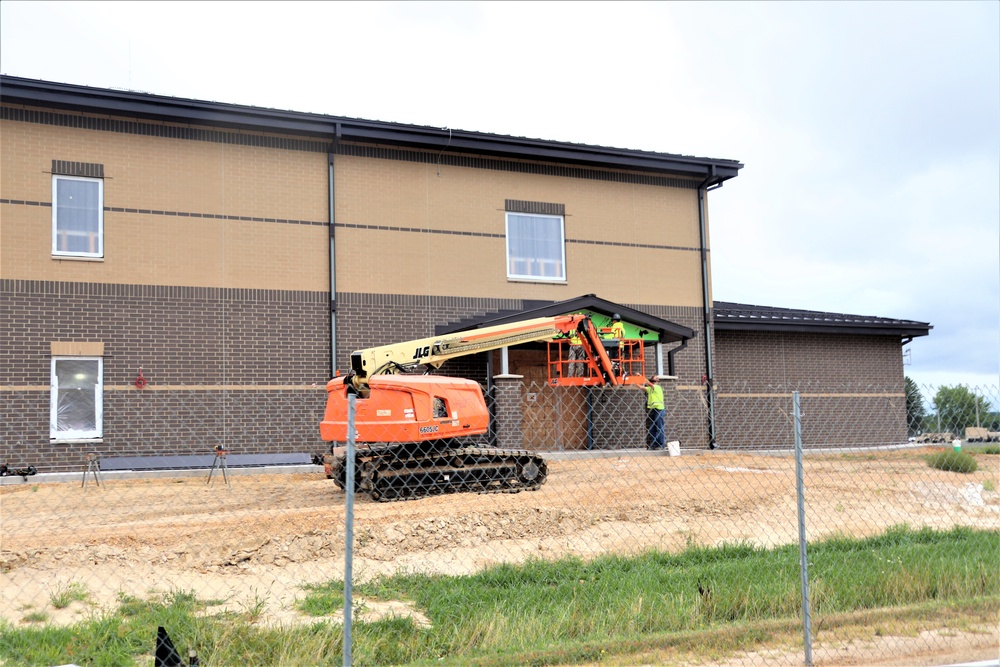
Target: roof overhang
668, 332
85, 99
742, 317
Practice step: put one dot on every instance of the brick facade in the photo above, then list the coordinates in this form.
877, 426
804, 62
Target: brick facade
216, 276
850, 386
232, 367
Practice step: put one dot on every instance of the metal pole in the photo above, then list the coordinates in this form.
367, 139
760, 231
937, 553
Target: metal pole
707, 304
803, 561
352, 406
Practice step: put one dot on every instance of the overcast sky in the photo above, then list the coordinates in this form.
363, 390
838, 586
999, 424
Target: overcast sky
870, 132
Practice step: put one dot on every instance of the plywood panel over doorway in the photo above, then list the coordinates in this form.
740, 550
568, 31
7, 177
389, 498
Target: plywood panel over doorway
553, 418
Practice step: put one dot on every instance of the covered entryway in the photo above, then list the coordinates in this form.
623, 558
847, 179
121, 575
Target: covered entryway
551, 418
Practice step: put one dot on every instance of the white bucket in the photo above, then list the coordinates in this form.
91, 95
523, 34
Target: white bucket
674, 448
957, 445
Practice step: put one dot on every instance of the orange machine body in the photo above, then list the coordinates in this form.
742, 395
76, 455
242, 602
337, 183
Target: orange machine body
406, 408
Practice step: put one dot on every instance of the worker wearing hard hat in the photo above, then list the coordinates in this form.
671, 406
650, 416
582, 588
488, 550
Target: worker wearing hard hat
613, 336
616, 331
617, 327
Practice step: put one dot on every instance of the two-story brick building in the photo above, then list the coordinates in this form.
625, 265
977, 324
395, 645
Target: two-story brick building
176, 274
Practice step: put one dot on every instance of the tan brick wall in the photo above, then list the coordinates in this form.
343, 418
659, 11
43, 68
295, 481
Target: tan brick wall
644, 236
184, 180
623, 218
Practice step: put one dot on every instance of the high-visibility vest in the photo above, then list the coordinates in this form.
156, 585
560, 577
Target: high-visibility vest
654, 397
618, 330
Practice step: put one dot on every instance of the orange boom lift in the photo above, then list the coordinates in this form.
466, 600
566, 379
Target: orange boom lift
413, 428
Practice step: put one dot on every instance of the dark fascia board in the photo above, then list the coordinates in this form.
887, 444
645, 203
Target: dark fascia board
669, 332
823, 328
741, 317
546, 151
85, 99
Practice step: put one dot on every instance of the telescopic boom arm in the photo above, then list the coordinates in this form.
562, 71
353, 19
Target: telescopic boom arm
434, 351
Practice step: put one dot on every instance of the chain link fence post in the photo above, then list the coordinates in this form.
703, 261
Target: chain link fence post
352, 403
800, 499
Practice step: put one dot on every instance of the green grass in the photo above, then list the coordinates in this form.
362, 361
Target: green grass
35, 617
953, 461
565, 611
64, 597
323, 599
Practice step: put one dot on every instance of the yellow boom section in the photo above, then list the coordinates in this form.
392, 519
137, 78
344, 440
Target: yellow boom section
436, 350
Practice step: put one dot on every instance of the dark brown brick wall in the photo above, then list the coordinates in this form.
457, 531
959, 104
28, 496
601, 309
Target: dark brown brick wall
756, 360
507, 409
203, 351
850, 386
368, 320
231, 367
178, 335
235, 367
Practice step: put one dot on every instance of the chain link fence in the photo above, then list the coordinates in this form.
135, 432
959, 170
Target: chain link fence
857, 521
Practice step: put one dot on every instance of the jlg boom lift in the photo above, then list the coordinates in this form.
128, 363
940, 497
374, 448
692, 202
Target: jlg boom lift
414, 429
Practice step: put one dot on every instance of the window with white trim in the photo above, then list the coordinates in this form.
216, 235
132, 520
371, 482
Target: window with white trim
77, 216
77, 401
536, 248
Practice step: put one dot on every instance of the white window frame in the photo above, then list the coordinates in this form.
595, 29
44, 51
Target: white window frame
540, 269
77, 434
97, 240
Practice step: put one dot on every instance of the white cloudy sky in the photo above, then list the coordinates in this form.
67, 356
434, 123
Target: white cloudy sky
870, 131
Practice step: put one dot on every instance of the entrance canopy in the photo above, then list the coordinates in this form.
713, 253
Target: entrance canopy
638, 324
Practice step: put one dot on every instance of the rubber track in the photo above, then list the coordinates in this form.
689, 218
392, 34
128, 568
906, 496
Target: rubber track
400, 473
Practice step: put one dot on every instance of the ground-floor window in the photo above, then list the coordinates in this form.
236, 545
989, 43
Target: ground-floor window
77, 398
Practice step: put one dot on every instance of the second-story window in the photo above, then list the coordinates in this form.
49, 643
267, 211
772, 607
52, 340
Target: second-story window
536, 248
77, 216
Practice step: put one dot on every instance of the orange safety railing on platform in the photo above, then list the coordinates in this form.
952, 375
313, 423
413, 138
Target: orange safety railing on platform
566, 369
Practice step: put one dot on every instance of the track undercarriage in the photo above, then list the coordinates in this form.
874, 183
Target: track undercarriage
417, 470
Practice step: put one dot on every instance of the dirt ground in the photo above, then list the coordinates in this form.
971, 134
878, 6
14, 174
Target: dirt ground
257, 541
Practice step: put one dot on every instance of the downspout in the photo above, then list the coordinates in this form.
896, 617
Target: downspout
333, 254
703, 188
671, 365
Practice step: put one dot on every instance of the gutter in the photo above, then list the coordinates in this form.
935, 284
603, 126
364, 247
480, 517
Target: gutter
160, 108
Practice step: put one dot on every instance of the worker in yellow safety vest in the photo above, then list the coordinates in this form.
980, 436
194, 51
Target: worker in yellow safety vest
656, 434
617, 327
614, 336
